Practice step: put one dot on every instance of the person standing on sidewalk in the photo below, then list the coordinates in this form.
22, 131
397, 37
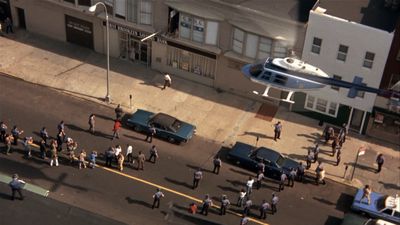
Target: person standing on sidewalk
118, 112
207, 203
249, 186
3, 131
129, 153
224, 205
316, 152
141, 158
260, 177
16, 133
277, 130
44, 135
217, 164
309, 159
16, 185
292, 176
91, 123
197, 176
240, 200
54, 153
117, 126
282, 181
300, 172
157, 199
150, 133
167, 81
153, 154
263, 209
380, 160
274, 203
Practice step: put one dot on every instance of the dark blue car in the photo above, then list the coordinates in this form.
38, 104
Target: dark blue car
167, 127
248, 157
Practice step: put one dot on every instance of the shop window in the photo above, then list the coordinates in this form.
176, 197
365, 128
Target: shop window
85, 2
310, 102
132, 11
337, 78
321, 105
280, 50
368, 60
332, 108
146, 12
120, 9
316, 45
198, 30
264, 48
110, 6
251, 45
342, 53
212, 33
238, 38
185, 26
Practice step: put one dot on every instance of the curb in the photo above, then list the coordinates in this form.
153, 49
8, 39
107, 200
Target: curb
29, 187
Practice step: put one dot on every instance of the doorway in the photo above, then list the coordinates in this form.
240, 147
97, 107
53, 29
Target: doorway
356, 119
21, 18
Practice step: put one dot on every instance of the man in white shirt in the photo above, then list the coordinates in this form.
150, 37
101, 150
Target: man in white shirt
249, 186
118, 150
274, 202
129, 155
167, 81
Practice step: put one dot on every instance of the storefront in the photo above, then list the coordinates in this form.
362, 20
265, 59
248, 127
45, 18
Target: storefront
130, 46
4, 10
79, 31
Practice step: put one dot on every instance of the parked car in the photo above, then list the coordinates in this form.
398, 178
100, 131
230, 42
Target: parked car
249, 156
354, 219
167, 127
382, 206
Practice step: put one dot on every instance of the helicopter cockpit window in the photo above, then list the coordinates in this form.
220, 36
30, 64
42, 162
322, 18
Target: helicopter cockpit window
256, 69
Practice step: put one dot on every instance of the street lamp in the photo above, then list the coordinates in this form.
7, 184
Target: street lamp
93, 9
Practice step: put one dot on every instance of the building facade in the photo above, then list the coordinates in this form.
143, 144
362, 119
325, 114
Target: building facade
204, 41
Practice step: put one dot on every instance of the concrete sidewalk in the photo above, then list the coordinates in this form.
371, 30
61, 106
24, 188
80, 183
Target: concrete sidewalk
221, 117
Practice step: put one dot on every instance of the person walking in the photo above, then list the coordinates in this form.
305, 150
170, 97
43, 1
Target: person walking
150, 133
117, 152
264, 207
16, 133
335, 145
43, 148
309, 159
291, 177
380, 160
167, 81
141, 158
197, 176
9, 25
118, 112
207, 203
157, 199
274, 203
300, 172
28, 141
217, 164
3, 131
91, 123
366, 194
110, 154
153, 154
224, 205
249, 186
60, 140
121, 159
338, 156
44, 135
82, 157
54, 153
16, 185
8, 140
61, 126
247, 207
343, 133
117, 126
282, 181
260, 177
320, 176
242, 195
316, 151
92, 159
192, 208
129, 153
277, 130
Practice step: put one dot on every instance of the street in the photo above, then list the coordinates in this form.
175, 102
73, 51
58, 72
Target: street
128, 198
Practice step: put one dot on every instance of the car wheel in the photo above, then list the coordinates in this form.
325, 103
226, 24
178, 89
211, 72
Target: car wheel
171, 140
137, 128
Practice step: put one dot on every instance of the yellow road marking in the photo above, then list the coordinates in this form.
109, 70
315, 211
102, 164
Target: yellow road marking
166, 189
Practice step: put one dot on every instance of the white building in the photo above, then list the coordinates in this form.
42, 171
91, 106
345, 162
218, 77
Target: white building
343, 49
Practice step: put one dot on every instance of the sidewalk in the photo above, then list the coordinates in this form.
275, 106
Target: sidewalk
220, 117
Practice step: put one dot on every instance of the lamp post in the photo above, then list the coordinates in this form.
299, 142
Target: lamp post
93, 9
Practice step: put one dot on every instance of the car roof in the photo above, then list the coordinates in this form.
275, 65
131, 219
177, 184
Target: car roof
163, 119
267, 153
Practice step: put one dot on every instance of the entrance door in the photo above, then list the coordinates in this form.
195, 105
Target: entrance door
143, 53
356, 119
21, 18
138, 51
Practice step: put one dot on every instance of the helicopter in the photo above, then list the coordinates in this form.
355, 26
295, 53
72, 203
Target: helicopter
291, 75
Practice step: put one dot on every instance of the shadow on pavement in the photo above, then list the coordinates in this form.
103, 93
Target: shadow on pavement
332, 220
5, 196
230, 189
178, 182
256, 134
181, 212
344, 202
361, 166
138, 202
241, 172
197, 167
389, 185
322, 200
104, 117
313, 137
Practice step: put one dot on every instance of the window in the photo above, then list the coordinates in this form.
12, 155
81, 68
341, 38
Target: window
368, 59
321, 105
84, 2
145, 12
360, 94
70, 1
212, 33
342, 53
120, 9
280, 50
110, 6
238, 37
132, 11
185, 26
337, 78
264, 48
251, 45
198, 30
316, 45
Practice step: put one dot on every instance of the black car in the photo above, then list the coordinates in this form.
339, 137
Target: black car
249, 156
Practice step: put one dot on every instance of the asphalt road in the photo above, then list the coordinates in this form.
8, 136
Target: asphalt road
124, 198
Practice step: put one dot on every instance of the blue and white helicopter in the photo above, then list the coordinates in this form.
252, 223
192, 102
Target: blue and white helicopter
291, 75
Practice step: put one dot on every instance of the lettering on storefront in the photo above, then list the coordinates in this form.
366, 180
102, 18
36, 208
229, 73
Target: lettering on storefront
79, 26
126, 30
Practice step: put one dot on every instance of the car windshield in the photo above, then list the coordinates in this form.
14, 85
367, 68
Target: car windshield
176, 125
380, 203
280, 161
